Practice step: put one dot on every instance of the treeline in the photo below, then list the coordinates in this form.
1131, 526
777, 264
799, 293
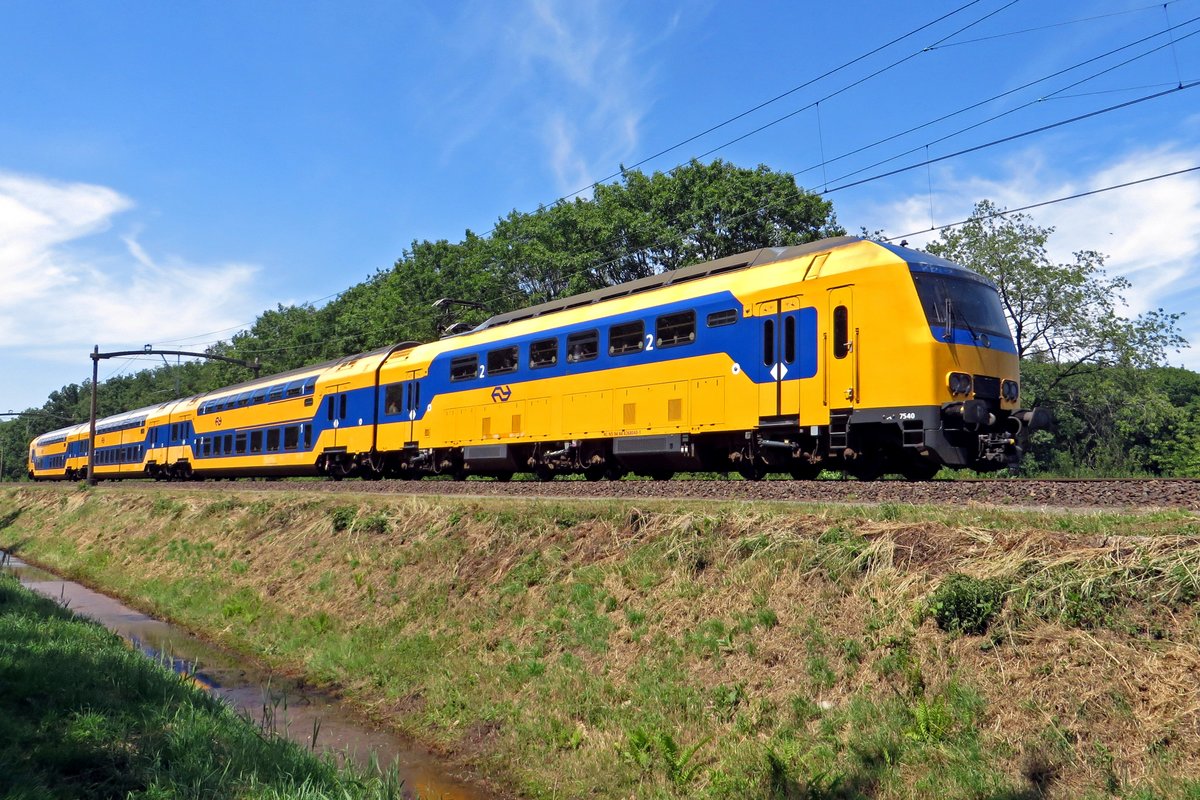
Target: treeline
1116, 411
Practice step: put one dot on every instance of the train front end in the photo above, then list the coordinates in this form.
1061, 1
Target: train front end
976, 420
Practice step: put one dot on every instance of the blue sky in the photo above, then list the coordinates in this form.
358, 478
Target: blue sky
169, 170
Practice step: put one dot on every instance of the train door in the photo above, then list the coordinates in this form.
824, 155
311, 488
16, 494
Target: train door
779, 389
412, 399
335, 413
841, 350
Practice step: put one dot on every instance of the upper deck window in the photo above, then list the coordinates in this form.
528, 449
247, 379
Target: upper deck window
502, 361
675, 329
626, 338
463, 368
543, 353
582, 346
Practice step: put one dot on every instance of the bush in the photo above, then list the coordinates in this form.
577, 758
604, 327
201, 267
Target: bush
962, 604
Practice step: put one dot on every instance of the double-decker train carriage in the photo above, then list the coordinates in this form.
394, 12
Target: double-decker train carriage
840, 354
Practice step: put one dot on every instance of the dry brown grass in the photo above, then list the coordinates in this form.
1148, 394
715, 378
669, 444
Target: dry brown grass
1069, 706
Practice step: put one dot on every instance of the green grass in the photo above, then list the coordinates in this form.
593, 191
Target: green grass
82, 715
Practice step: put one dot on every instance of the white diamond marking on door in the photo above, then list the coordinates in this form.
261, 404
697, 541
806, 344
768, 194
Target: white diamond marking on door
779, 371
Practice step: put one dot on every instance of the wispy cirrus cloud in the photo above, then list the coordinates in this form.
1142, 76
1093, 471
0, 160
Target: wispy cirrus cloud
68, 282
573, 75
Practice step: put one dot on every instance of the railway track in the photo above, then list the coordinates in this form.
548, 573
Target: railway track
1056, 493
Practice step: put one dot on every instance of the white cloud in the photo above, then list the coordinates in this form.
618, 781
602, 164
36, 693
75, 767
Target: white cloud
1150, 233
59, 298
571, 73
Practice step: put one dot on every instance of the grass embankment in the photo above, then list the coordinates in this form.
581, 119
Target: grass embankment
694, 650
82, 715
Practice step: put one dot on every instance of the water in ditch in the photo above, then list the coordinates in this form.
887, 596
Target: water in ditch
272, 702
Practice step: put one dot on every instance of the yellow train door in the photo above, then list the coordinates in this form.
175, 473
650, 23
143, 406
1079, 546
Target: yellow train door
779, 387
335, 412
841, 350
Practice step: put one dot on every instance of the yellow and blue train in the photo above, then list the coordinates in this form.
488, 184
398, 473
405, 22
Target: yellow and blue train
841, 354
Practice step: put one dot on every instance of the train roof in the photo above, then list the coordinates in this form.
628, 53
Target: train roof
751, 258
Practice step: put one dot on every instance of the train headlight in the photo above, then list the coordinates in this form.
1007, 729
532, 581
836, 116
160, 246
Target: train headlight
1010, 391
960, 383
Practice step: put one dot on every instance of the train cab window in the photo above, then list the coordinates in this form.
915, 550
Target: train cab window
789, 340
841, 332
718, 319
502, 361
626, 338
240, 443
675, 329
255, 441
543, 353
291, 437
273, 440
463, 368
582, 346
769, 342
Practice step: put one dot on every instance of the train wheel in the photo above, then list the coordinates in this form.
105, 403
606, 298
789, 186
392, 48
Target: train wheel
752, 472
866, 468
595, 472
920, 470
805, 472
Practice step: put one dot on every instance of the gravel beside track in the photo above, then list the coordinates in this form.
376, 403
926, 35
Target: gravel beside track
1094, 494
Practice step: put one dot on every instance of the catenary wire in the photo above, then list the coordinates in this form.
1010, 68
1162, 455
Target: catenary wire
1064, 199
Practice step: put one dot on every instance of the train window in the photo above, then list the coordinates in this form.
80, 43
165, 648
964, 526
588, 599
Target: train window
255, 441
174, 433
841, 332
240, 443
229, 443
769, 342
543, 353
259, 395
582, 346
626, 338
291, 437
273, 440
310, 385
308, 440
208, 446
293, 389
720, 318
502, 361
393, 402
275, 393
216, 442
243, 399
789, 339
675, 329
463, 368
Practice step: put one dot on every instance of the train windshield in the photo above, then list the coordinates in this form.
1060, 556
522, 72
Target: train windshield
962, 304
